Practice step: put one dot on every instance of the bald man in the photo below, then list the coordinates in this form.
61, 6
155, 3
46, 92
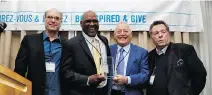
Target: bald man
40, 56
130, 62
81, 70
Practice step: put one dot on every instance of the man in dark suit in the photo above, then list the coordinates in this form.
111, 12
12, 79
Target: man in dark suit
130, 63
81, 71
175, 67
39, 56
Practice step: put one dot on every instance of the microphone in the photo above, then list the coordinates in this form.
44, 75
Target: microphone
3, 25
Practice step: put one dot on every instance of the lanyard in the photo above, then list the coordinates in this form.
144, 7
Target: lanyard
116, 66
51, 55
95, 47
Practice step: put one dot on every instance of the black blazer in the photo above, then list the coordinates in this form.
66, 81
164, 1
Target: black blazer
31, 60
78, 66
186, 73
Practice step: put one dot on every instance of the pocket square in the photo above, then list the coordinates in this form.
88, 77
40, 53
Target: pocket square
179, 62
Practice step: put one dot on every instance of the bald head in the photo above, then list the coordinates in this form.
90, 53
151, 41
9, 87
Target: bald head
123, 25
88, 13
53, 10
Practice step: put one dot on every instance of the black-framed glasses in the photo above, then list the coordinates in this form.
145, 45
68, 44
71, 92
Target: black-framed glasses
53, 17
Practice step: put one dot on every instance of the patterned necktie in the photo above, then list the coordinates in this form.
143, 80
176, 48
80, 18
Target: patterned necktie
96, 55
120, 67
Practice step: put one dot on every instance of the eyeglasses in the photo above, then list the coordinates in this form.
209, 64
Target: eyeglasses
53, 17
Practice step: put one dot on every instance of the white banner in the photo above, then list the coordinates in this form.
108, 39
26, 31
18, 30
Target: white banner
29, 14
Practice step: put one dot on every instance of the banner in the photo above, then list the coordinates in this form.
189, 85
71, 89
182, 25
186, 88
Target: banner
181, 16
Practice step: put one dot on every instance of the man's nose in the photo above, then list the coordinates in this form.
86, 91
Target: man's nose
122, 32
91, 23
160, 34
53, 20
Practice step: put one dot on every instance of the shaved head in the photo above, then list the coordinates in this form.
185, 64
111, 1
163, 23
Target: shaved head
53, 9
88, 13
123, 24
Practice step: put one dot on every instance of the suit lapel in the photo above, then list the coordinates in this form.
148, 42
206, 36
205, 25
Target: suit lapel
85, 46
41, 48
114, 53
106, 44
131, 58
171, 56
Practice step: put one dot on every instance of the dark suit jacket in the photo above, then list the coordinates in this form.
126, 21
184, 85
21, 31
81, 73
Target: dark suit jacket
78, 66
137, 68
31, 60
186, 73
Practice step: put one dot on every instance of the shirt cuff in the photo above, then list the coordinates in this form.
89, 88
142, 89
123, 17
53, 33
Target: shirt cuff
129, 79
88, 82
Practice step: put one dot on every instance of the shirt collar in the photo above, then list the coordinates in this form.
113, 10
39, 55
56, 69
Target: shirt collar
90, 39
163, 51
126, 48
45, 36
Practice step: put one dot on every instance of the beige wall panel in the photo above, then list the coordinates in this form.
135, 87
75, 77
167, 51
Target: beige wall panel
177, 37
15, 45
172, 36
134, 38
150, 44
2, 47
112, 41
145, 40
8, 38
186, 37
23, 33
106, 34
140, 39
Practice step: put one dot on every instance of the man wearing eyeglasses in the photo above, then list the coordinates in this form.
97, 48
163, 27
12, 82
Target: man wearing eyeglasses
81, 70
40, 55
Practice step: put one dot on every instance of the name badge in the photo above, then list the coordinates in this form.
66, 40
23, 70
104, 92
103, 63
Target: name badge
50, 67
152, 78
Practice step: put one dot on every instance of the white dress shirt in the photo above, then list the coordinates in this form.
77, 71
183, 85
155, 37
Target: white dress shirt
163, 51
